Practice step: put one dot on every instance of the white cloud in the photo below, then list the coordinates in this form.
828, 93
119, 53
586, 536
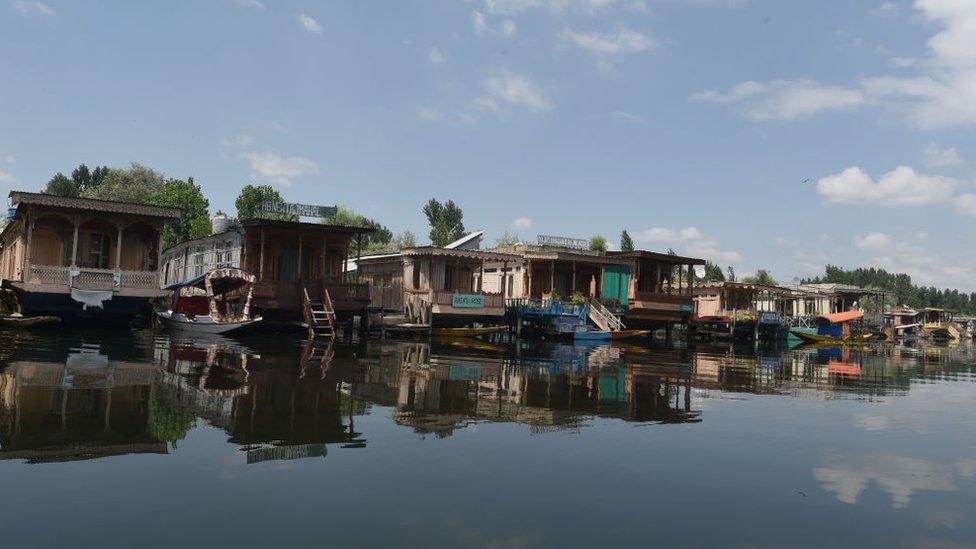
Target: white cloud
522, 224
32, 8
8, 159
556, 6
310, 24
899, 187
784, 99
625, 115
848, 476
278, 169
966, 204
514, 89
609, 45
509, 29
695, 242
250, 4
428, 113
935, 156
872, 241
435, 56
479, 22
6, 177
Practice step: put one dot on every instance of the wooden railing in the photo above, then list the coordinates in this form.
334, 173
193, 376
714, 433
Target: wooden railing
93, 279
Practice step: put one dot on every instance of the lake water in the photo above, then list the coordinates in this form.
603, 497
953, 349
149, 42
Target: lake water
142, 440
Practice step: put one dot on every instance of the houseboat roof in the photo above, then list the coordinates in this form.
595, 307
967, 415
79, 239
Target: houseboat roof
470, 241
836, 288
300, 225
22, 198
227, 278
739, 286
470, 254
658, 256
846, 316
534, 251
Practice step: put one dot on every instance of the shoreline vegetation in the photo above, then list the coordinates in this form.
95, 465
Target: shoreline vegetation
141, 184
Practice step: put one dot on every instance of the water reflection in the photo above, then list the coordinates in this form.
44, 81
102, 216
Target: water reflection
873, 430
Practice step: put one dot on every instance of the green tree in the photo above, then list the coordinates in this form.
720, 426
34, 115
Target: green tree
713, 273
598, 243
446, 221
507, 239
731, 275
251, 198
194, 221
376, 242
626, 243
137, 183
59, 185
761, 278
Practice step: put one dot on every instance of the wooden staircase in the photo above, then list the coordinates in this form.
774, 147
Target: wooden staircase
603, 318
319, 315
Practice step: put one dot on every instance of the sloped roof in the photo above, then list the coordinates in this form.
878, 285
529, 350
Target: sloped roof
845, 316
112, 206
466, 239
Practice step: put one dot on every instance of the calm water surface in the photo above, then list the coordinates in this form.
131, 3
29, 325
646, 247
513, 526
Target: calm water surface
110, 440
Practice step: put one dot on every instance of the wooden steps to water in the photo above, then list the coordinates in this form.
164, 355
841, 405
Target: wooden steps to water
319, 315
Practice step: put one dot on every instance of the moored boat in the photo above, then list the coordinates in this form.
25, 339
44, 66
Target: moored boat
468, 332
29, 322
217, 302
835, 328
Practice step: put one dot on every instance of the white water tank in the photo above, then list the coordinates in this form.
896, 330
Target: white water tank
219, 223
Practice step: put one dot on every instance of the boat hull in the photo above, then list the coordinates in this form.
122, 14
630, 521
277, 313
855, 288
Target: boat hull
468, 332
819, 338
203, 326
592, 336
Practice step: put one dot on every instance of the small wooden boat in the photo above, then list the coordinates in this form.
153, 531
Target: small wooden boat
29, 322
819, 338
629, 334
592, 335
468, 332
217, 302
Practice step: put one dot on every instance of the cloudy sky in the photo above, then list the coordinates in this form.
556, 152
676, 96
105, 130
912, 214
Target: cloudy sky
758, 133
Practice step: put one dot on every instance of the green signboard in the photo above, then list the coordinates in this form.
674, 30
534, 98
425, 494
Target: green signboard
468, 301
687, 308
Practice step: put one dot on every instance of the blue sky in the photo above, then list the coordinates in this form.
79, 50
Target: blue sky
755, 133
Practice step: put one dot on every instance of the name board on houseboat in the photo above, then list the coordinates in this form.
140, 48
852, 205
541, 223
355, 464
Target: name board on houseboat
468, 301
548, 240
301, 210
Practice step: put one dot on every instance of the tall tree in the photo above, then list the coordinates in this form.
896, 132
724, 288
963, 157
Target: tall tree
59, 185
731, 275
507, 239
598, 243
446, 221
137, 183
378, 241
251, 198
626, 243
713, 273
194, 221
761, 278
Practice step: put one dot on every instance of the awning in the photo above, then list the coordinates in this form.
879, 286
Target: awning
845, 316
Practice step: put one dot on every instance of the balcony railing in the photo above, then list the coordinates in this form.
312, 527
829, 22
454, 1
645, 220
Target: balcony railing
93, 279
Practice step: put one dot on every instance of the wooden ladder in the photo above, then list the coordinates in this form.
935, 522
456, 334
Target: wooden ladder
603, 318
319, 315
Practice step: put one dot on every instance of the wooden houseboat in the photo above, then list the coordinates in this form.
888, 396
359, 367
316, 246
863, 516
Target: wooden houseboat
287, 257
659, 293
561, 267
443, 288
82, 258
736, 310
938, 324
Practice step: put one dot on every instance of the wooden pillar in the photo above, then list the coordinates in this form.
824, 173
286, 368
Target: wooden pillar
552, 277
261, 257
27, 244
481, 277
298, 275
118, 250
503, 288
528, 271
457, 274
74, 246
359, 256
325, 259
574, 277
658, 288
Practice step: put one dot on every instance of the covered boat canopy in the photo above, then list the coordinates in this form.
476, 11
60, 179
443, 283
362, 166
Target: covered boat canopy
217, 282
846, 316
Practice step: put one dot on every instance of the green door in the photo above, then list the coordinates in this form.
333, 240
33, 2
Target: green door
616, 283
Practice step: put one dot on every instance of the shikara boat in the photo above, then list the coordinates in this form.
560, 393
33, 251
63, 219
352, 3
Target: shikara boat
629, 334
468, 332
592, 335
217, 302
834, 329
29, 322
